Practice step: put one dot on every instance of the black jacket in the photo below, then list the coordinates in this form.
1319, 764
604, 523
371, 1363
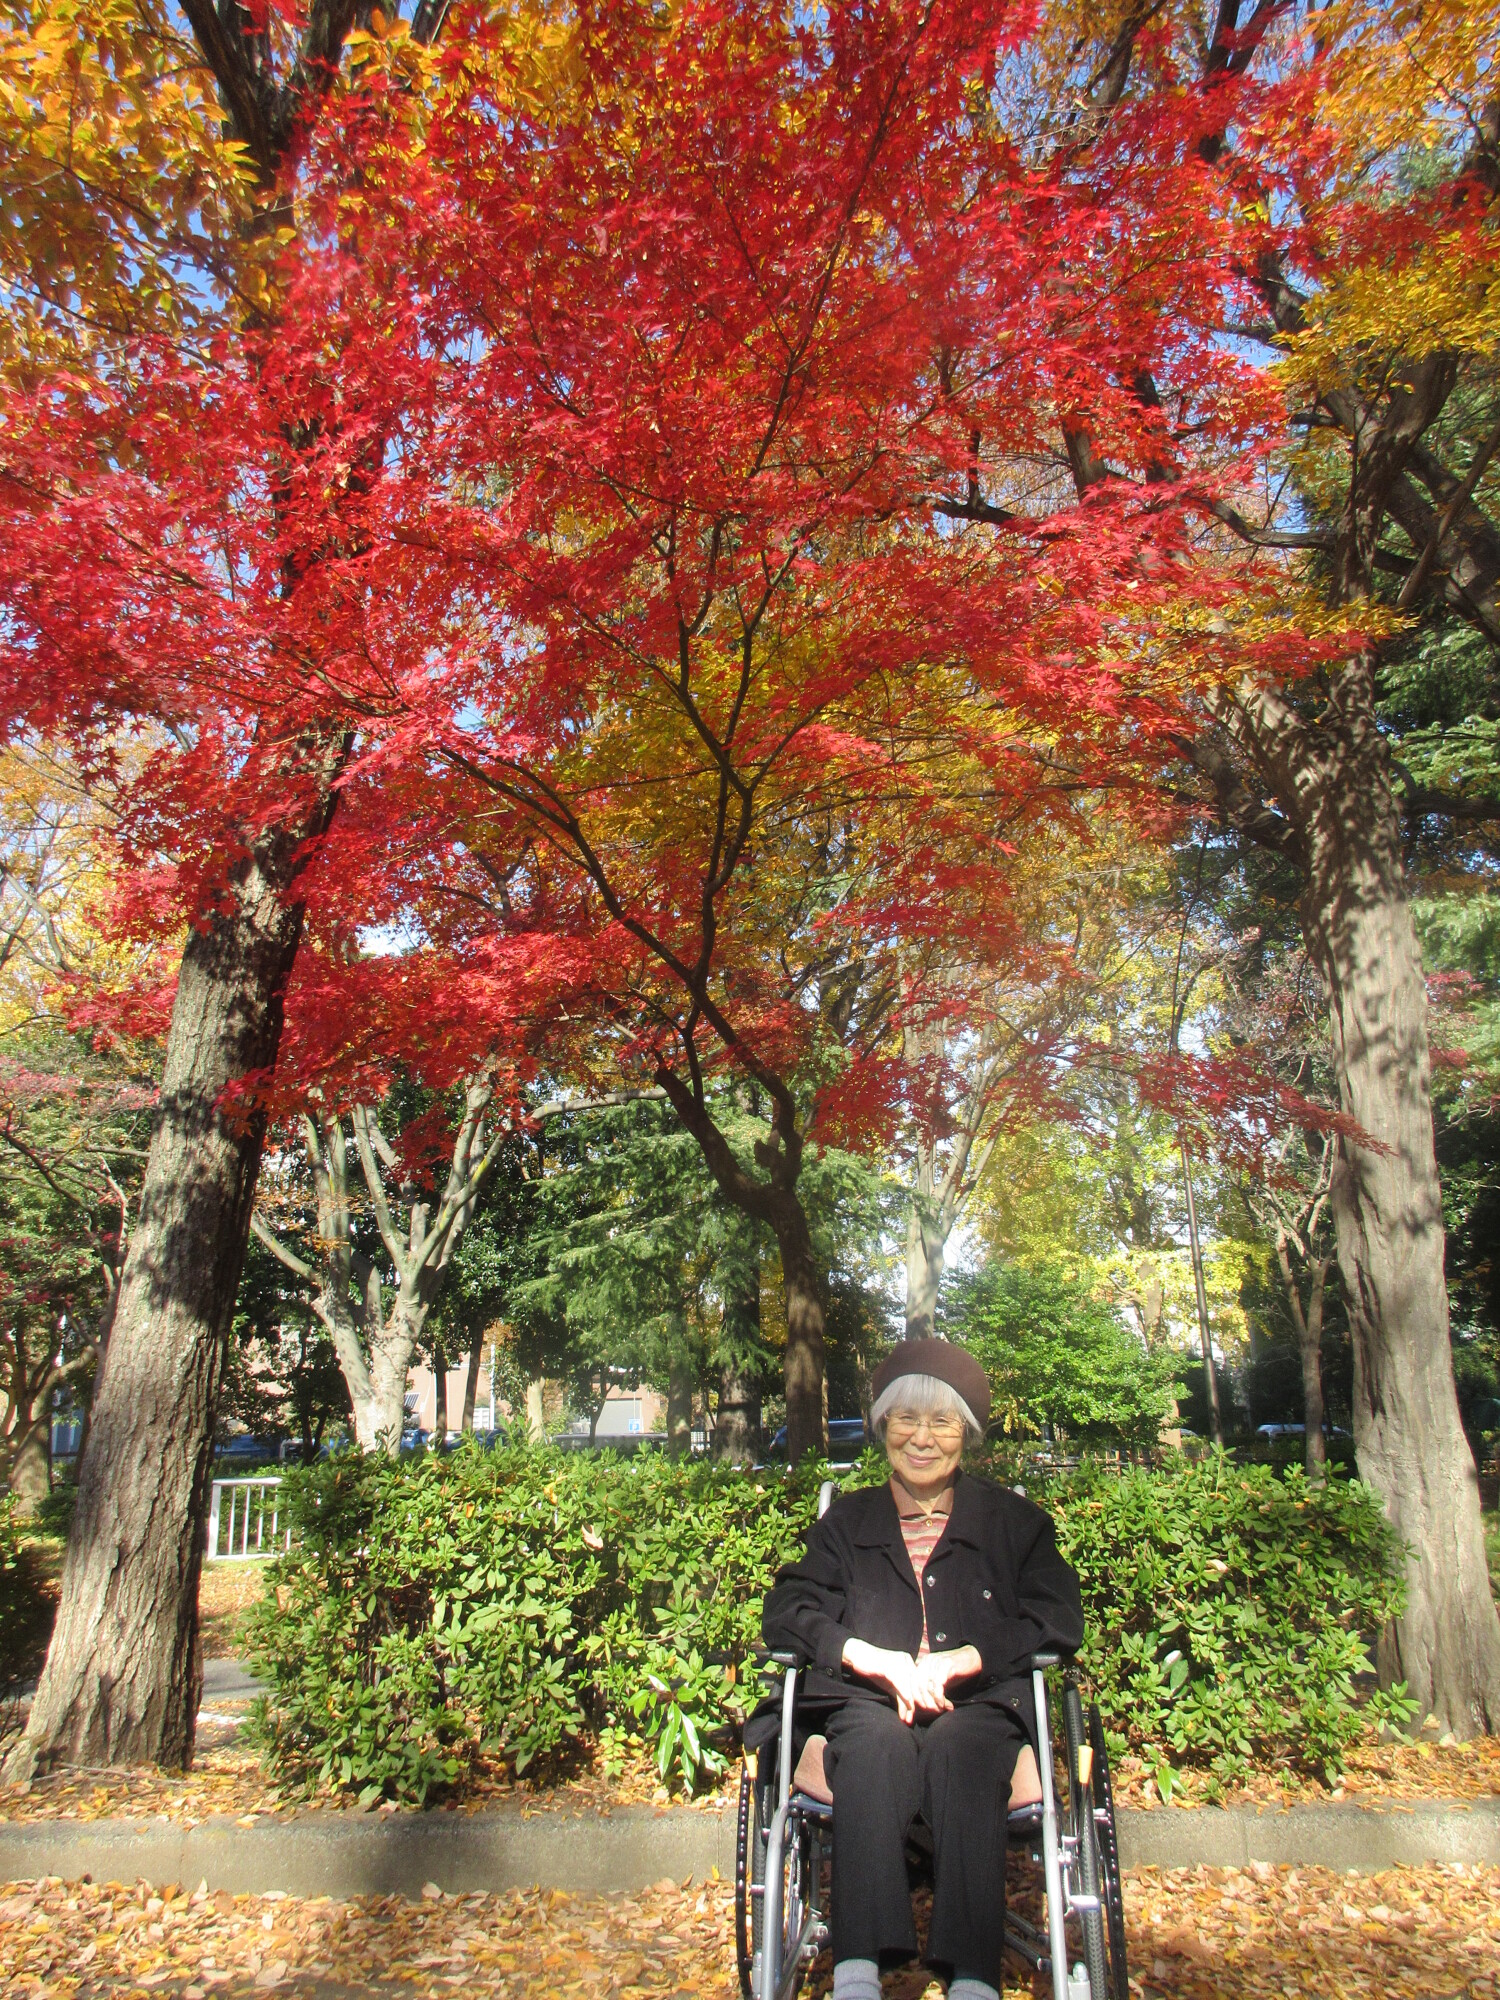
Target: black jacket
995, 1581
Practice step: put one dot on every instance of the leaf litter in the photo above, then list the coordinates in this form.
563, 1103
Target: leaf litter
227, 1780
1195, 1934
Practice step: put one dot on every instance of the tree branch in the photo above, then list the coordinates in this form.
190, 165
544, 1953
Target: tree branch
266, 1235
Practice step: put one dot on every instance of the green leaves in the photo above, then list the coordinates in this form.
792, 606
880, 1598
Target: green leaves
1229, 1612
1056, 1355
435, 1612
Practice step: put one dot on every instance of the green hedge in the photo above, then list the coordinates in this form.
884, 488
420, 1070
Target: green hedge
1227, 1609
522, 1604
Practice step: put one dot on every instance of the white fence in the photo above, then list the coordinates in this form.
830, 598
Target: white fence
243, 1519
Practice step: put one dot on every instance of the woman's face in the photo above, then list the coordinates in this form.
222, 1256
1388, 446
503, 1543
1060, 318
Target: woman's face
924, 1450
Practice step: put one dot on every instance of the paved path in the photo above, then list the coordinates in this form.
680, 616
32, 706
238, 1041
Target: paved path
228, 1680
355, 1854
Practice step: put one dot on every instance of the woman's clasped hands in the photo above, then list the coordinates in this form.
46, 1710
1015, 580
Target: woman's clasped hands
920, 1684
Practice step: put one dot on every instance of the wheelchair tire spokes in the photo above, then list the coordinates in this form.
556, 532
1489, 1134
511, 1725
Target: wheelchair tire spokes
791, 1921
749, 1851
1088, 1900
1109, 1857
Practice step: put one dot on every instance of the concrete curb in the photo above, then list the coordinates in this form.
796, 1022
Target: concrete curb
1322, 1836
357, 1854
347, 1854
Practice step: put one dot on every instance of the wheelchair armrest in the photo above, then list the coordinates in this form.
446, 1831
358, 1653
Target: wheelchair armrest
790, 1662
1053, 1657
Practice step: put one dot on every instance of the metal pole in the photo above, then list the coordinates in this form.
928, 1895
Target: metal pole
1215, 1418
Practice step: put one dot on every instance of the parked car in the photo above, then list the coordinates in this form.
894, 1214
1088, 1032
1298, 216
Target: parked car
846, 1440
1272, 1432
488, 1440
245, 1450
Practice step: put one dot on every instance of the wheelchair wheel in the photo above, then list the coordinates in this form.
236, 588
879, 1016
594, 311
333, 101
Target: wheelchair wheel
1085, 1833
749, 1870
1109, 1858
798, 1888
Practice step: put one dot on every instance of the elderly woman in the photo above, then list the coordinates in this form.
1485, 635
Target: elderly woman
917, 1606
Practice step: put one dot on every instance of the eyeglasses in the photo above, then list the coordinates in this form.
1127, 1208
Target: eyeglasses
902, 1423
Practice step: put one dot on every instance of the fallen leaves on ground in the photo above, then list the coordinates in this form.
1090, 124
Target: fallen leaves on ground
1372, 1771
227, 1779
1195, 1934
225, 1591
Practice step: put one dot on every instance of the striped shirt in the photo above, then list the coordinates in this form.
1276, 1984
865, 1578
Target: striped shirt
921, 1534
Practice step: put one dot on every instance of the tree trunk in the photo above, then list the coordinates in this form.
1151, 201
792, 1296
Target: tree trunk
391, 1354
737, 1433
1315, 1444
471, 1383
926, 1244
680, 1409
1205, 1338
439, 1391
806, 1314
1309, 1325
737, 1427
1387, 1206
536, 1413
30, 1477
123, 1674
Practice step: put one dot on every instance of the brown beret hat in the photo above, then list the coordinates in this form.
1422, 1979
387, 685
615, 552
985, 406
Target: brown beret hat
950, 1364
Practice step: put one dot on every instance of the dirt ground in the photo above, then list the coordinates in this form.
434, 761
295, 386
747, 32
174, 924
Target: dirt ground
1203, 1934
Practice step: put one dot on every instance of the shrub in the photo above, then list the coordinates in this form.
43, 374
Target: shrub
510, 1603
1227, 1610
520, 1603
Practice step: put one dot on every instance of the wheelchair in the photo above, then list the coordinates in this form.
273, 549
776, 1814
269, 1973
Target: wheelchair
784, 1848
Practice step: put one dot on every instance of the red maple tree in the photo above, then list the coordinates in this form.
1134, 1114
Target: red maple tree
736, 612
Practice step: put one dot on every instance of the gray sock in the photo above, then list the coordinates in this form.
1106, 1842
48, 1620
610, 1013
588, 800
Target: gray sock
856, 1979
972, 1989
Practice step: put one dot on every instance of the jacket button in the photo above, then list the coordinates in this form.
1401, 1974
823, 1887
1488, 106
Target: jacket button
1013, 1700
985, 1595
940, 1637
931, 1581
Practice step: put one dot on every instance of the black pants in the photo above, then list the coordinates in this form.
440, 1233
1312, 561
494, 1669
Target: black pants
955, 1770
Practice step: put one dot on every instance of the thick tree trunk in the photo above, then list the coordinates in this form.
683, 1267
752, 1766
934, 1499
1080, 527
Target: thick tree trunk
680, 1409
737, 1431
471, 1383
1387, 1206
123, 1674
806, 1314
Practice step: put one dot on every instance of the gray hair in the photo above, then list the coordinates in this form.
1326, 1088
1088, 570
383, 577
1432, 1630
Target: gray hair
926, 1396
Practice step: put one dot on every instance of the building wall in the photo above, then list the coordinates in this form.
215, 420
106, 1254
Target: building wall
626, 1412
421, 1396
